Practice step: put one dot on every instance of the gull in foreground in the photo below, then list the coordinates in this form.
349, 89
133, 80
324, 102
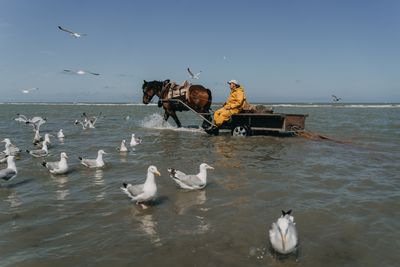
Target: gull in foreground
94, 163
38, 153
11, 171
122, 147
27, 91
73, 34
57, 167
193, 181
135, 140
143, 192
194, 75
81, 72
283, 234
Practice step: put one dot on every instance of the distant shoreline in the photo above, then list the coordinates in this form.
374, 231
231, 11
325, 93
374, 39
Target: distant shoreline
273, 104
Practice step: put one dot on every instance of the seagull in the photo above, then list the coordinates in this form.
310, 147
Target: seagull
94, 163
10, 149
27, 91
336, 99
73, 34
57, 167
47, 139
143, 192
38, 153
60, 134
11, 171
37, 138
135, 140
193, 181
194, 76
283, 234
36, 122
122, 147
81, 72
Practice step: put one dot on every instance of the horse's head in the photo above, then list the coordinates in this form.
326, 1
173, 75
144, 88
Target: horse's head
150, 89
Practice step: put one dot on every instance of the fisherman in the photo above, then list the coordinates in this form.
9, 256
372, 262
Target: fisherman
236, 103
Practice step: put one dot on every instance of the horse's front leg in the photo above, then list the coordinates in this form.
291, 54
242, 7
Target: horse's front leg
166, 116
178, 123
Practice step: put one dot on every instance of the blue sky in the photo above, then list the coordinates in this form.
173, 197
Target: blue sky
280, 51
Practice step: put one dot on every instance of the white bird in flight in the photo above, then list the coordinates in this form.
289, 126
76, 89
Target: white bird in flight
73, 34
192, 75
81, 72
27, 91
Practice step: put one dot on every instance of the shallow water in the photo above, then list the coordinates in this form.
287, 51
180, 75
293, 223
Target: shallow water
345, 196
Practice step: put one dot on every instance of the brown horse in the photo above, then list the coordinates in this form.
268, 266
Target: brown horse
199, 98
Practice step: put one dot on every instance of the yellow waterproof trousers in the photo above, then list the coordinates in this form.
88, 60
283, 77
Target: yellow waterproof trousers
222, 115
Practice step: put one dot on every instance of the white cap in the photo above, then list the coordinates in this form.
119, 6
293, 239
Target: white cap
233, 81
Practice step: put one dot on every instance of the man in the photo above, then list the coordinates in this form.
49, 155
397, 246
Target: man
236, 103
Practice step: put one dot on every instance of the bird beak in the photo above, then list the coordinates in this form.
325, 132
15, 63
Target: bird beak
158, 173
66, 156
211, 168
3, 141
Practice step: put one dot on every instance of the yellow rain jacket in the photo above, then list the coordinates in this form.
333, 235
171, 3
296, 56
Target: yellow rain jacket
235, 104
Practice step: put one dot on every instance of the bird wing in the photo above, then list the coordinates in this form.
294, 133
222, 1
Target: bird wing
89, 162
61, 28
133, 190
291, 240
7, 174
52, 165
191, 73
93, 73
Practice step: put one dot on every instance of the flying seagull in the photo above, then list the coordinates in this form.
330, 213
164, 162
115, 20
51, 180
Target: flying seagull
336, 99
81, 72
73, 34
194, 76
27, 91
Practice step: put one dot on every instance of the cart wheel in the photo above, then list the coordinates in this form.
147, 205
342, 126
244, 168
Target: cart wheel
241, 131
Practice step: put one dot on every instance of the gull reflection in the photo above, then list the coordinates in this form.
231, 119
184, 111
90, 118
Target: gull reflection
62, 192
99, 180
185, 200
98, 177
13, 199
147, 225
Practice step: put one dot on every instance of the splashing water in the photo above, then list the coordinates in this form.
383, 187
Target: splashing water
156, 121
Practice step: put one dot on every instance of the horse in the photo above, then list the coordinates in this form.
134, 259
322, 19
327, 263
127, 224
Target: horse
199, 99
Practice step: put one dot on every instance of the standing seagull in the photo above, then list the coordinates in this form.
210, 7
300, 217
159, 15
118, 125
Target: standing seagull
94, 163
11, 171
191, 182
143, 192
58, 167
192, 75
27, 91
74, 34
283, 234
